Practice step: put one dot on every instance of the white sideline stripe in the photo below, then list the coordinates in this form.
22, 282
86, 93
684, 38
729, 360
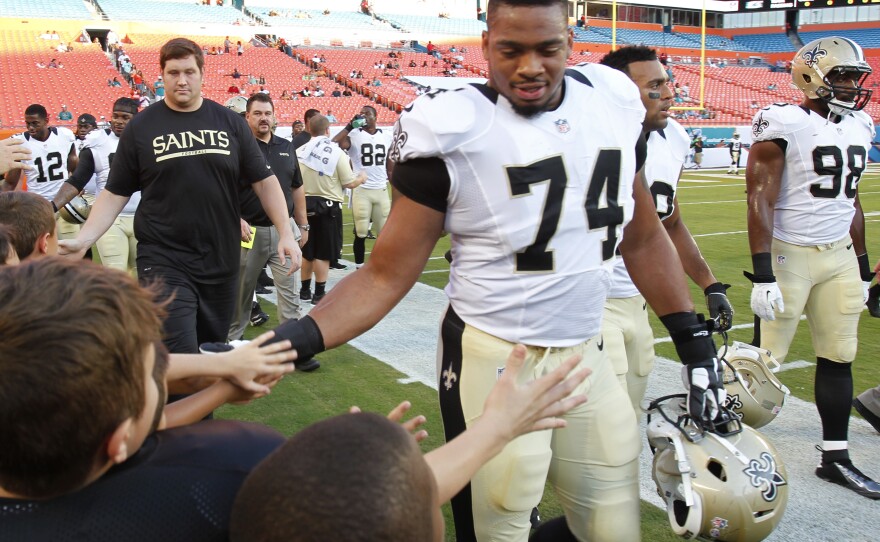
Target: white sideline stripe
740, 185
720, 233
713, 202
798, 364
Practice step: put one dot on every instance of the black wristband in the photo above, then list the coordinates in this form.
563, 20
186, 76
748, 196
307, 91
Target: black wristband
762, 267
692, 336
716, 288
348, 127
303, 334
865, 268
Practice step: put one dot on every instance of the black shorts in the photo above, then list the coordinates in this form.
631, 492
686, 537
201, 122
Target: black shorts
323, 241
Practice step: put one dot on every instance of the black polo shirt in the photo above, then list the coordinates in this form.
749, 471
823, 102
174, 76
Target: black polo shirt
280, 154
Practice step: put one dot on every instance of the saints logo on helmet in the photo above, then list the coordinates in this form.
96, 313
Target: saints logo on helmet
753, 391
818, 66
76, 211
729, 488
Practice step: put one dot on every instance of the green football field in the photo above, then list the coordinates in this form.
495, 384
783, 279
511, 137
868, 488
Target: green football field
714, 207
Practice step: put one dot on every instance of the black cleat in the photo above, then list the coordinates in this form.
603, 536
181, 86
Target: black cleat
317, 298
370, 234
258, 317
869, 416
337, 265
844, 473
305, 295
307, 366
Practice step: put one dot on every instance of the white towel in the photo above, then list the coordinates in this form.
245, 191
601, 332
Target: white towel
320, 154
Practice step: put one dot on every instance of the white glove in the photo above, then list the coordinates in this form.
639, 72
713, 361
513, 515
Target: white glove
865, 287
767, 300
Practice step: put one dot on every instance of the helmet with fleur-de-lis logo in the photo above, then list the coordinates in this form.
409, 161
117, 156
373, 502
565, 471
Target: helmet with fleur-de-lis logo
728, 487
833, 70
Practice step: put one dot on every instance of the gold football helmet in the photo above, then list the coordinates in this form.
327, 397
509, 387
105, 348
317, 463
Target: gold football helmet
238, 104
753, 391
729, 488
817, 66
76, 211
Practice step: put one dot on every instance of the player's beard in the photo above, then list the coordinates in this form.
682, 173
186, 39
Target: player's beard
529, 111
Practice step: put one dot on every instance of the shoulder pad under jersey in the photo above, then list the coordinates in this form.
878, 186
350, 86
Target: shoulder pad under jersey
778, 121
441, 121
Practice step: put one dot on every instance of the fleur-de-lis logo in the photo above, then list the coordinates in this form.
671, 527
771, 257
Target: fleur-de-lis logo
763, 475
760, 125
449, 378
812, 56
400, 138
733, 403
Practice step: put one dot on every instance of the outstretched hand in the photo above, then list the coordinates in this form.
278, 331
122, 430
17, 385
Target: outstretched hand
396, 415
248, 365
516, 409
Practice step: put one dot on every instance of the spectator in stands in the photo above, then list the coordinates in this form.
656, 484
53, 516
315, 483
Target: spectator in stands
754, 105
235, 73
431, 48
252, 80
114, 82
412, 63
771, 86
376, 82
305, 92
263, 90
424, 63
360, 74
227, 45
336, 93
64, 114
62, 48
323, 59
353, 74
346, 92
319, 92
315, 58
330, 117
53, 64
159, 88
284, 95
233, 89
240, 48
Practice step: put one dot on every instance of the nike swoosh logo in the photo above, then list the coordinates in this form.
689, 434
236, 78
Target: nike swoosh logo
849, 246
601, 344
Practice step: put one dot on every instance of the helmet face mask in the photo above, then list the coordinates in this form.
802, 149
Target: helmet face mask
754, 393
727, 488
833, 71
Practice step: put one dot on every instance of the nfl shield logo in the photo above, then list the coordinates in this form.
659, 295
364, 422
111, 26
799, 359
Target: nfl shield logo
562, 126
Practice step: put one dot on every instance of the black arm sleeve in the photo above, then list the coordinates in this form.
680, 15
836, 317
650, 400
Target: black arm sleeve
423, 180
85, 168
641, 151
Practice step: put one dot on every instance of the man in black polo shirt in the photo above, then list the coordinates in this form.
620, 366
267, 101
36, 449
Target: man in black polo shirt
186, 155
260, 116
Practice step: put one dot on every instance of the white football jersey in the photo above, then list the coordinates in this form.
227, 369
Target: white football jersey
368, 152
91, 187
667, 151
823, 164
103, 145
735, 145
49, 159
536, 206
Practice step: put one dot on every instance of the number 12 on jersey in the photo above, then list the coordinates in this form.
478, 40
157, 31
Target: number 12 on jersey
605, 179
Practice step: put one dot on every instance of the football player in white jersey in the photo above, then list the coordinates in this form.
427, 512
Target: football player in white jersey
532, 175
118, 246
368, 148
807, 231
54, 157
735, 147
625, 328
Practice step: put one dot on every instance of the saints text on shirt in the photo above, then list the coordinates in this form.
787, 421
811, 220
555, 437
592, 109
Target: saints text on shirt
169, 146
